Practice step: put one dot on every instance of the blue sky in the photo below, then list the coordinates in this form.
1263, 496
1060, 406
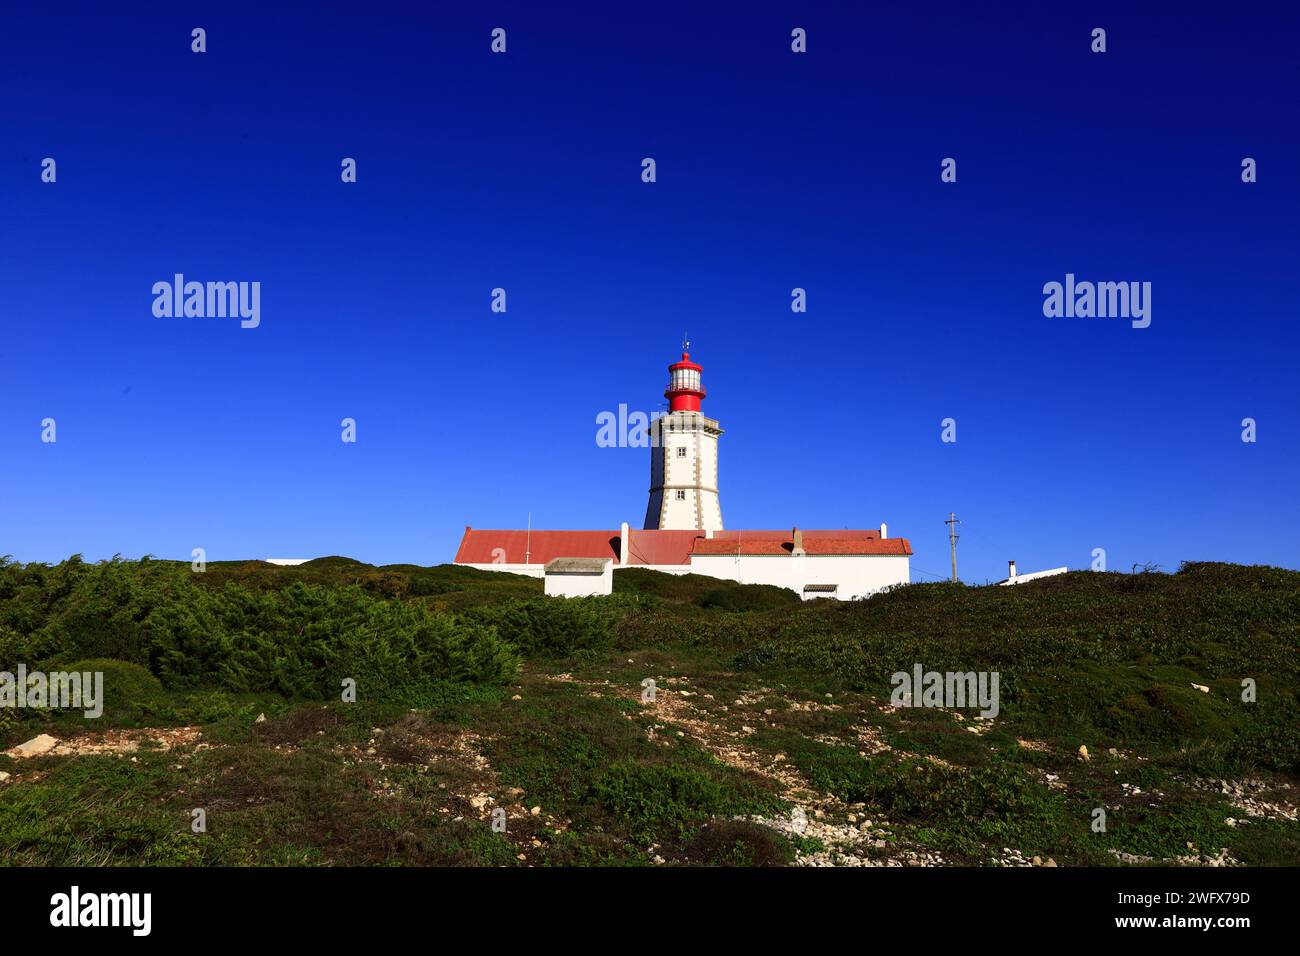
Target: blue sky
775, 171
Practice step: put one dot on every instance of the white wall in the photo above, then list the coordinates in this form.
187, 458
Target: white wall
580, 585
1033, 576
856, 575
662, 568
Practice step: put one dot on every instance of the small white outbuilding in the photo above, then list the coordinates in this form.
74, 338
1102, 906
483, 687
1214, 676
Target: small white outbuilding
1014, 578
579, 577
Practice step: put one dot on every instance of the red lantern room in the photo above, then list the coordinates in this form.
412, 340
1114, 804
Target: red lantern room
684, 390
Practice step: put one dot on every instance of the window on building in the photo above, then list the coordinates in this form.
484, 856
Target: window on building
681, 495
681, 451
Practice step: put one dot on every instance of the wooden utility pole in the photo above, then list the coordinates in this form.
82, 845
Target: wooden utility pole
952, 523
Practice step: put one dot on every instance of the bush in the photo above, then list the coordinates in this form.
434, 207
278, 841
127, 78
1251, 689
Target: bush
299, 640
553, 626
752, 597
305, 640
664, 801
740, 843
130, 691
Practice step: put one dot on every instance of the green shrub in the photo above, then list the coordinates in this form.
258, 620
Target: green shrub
751, 597
655, 802
740, 843
553, 626
299, 640
304, 641
130, 691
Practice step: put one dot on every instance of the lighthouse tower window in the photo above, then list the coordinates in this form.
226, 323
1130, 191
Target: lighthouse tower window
681, 451
681, 495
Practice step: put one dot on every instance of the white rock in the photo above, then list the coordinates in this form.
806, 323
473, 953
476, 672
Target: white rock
1202, 688
1083, 752
261, 719
4, 777
42, 744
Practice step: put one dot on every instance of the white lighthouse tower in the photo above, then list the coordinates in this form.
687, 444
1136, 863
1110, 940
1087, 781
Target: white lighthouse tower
684, 457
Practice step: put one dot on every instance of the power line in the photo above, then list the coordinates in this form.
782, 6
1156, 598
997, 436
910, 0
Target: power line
937, 577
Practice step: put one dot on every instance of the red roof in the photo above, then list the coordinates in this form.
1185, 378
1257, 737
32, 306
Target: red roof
662, 547
809, 534
481, 547
820, 546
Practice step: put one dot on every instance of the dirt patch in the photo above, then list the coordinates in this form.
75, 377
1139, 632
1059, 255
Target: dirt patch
128, 741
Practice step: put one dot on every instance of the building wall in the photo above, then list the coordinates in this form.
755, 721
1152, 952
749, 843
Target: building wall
1034, 576
694, 474
539, 571
580, 585
856, 575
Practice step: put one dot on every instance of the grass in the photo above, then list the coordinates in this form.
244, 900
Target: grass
528, 712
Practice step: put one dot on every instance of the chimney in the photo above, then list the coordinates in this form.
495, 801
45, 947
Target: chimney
1011, 570
884, 531
798, 542
623, 554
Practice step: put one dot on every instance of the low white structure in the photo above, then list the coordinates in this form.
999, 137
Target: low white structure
846, 565
1014, 578
579, 577
845, 569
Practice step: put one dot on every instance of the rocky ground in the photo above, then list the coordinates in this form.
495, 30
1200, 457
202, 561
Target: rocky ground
808, 764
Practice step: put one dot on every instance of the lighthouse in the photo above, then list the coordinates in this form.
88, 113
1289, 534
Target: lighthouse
683, 531
684, 456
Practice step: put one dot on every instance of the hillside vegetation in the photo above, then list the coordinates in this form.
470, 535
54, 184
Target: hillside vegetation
767, 737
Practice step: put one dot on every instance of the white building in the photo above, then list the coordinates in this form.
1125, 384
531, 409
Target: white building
1014, 578
816, 564
579, 577
683, 531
